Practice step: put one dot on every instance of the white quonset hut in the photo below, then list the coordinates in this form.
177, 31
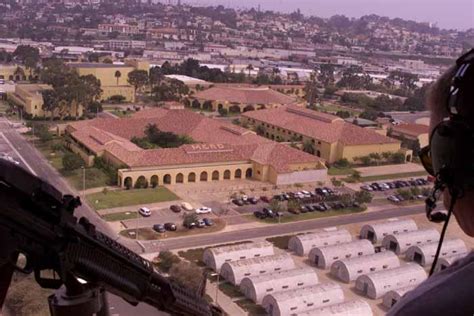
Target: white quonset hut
302, 244
348, 270
392, 297
235, 271
399, 243
447, 261
215, 257
424, 254
256, 287
375, 285
323, 257
304, 299
349, 308
376, 232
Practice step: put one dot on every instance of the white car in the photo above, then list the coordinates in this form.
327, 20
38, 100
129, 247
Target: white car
186, 206
244, 198
393, 198
203, 210
144, 211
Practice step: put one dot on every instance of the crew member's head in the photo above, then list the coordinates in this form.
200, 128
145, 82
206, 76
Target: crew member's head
437, 102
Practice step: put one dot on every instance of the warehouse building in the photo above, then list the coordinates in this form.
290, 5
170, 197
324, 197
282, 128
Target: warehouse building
302, 244
348, 270
392, 297
323, 257
399, 243
374, 285
376, 232
424, 254
300, 300
349, 308
256, 287
235, 271
215, 257
447, 261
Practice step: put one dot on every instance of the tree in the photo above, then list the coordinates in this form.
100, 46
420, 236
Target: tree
166, 260
405, 194
155, 76
72, 161
41, 131
249, 68
342, 163
128, 183
369, 115
107, 60
260, 130
335, 182
398, 158
311, 90
343, 114
28, 56
363, 197
356, 175
117, 76
293, 204
308, 147
326, 75
190, 218
275, 205
138, 78
187, 275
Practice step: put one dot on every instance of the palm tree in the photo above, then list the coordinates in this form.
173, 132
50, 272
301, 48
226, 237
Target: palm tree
117, 75
249, 68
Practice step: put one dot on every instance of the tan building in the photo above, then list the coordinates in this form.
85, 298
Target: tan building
240, 98
222, 151
30, 98
113, 78
412, 133
330, 136
15, 73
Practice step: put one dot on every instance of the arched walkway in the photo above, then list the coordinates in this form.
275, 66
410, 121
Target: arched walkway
227, 175
249, 108
195, 104
238, 174
318, 153
141, 183
203, 176
207, 106
215, 175
154, 181
234, 109
248, 173
220, 106
167, 179
179, 178
192, 177
187, 103
128, 183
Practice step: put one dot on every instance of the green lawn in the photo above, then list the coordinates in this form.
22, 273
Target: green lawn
130, 197
280, 241
394, 176
95, 178
288, 217
230, 290
252, 308
333, 171
120, 216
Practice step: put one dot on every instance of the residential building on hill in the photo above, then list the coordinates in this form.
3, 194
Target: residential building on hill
330, 136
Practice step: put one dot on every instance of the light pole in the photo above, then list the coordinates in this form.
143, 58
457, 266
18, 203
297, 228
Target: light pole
136, 228
83, 182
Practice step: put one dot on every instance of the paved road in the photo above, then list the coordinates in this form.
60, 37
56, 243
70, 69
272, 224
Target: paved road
288, 228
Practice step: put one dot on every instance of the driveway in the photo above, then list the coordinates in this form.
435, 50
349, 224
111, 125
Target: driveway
389, 169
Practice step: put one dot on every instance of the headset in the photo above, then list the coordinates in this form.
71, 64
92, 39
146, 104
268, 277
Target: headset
449, 157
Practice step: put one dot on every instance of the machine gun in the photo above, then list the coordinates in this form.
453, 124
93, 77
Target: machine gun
38, 223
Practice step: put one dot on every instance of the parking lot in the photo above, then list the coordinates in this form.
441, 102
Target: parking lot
412, 189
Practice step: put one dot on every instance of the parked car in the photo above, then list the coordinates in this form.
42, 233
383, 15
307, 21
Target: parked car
393, 198
366, 187
259, 214
191, 225
203, 210
200, 224
278, 197
170, 227
208, 221
268, 212
303, 209
159, 228
238, 202
286, 197
186, 206
175, 208
244, 198
293, 211
253, 200
265, 199
144, 211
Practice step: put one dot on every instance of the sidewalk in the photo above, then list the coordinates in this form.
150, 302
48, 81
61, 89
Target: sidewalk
134, 208
389, 169
224, 301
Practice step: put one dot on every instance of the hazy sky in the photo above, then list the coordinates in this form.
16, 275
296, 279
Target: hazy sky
457, 14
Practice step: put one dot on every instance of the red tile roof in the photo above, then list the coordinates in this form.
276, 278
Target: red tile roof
411, 129
321, 126
218, 141
245, 95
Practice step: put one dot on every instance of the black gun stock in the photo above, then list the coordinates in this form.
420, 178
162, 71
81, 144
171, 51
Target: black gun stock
37, 221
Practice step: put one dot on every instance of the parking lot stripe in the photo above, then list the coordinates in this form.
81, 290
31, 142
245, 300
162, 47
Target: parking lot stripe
18, 154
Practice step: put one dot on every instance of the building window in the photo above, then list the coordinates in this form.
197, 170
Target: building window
284, 287
243, 257
360, 271
247, 274
263, 271
277, 269
269, 290
310, 304
335, 258
257, 255
293, 308
228, 260
326, 301
360, 253
385, 266
372, 269
300, 284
